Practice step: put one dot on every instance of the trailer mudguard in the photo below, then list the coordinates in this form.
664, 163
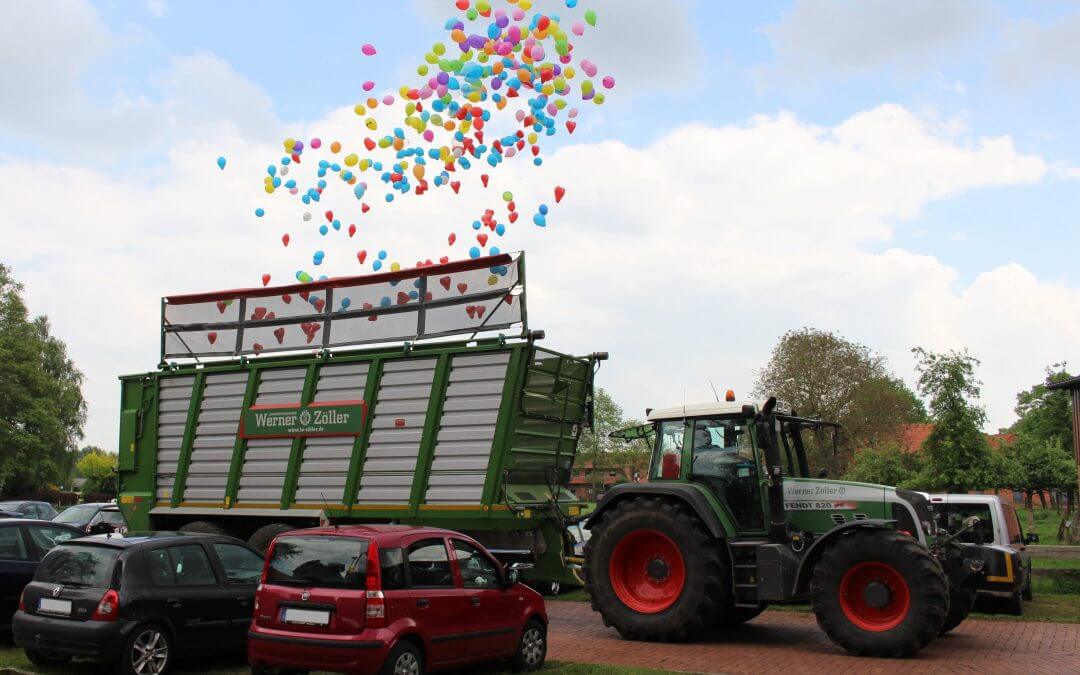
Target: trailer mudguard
684, 492
806, 567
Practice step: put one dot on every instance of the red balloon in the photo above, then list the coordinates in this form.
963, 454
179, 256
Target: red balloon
451, 239
266, 279
484, 179
352, 229
559, 192
329, 216
285, 239
361, 256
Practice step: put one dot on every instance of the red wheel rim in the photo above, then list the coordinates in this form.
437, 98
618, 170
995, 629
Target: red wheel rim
647, 571
874, 596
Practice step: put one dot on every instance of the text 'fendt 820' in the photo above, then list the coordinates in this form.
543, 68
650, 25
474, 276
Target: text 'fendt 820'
269, 413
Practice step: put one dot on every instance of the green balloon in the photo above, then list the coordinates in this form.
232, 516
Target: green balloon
590, 17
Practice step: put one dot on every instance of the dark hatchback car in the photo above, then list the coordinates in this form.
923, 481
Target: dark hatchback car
20, 509
139, 601
23, 543
94, 518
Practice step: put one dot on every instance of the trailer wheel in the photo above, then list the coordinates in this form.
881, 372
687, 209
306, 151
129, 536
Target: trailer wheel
653, 572
879, 593
961, 600
205, 527
260, 540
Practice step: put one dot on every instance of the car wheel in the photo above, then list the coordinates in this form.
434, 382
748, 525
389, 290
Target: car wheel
1028, 595
1015, 604
148, 651
45, 659
404, 659
532, 648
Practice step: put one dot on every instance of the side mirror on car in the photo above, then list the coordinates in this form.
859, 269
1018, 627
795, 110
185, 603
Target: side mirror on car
1031, 538
513, 572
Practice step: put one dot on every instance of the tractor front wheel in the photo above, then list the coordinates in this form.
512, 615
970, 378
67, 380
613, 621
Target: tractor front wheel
653, 572
879, 593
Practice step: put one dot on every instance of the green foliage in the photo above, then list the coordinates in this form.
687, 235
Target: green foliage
603, 452
825, 376
957, 454
1045, 414
1044, 464
99, 470
888, 465
42, 410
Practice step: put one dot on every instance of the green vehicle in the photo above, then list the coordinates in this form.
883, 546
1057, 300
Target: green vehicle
732, 520
268, 413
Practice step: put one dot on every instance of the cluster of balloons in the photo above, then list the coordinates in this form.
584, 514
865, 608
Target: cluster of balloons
503, 81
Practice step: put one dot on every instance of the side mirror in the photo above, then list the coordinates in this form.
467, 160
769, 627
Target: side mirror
513, 572
512, 577
1031, 538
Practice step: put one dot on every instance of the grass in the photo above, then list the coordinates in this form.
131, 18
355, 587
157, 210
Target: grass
13, 657
1055, 563
1046, 524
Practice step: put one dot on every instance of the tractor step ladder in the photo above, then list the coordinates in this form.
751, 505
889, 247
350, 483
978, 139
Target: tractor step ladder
744, 579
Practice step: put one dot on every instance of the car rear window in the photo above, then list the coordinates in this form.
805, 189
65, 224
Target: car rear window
72, 565
76, 514
325, 561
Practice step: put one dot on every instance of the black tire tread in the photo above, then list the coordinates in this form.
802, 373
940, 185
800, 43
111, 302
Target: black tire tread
927, 581
205, 527
260, 539
699, 609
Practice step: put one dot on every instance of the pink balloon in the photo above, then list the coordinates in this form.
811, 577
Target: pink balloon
518, 14
578, 28
368, 49
608, 82
388, 100
429, 136
316, 143
369, 85
589, 67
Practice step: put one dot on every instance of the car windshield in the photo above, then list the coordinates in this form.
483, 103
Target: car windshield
74, 565
982, 533
77, 514
325, 561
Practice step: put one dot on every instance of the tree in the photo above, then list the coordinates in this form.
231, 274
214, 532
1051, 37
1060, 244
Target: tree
825, 376
1045, 419
42, 410
956, 453
99, 470
1044, 465
597, 448
887, 465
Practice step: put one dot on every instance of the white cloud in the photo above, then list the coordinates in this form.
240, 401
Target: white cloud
156, 7
641, 43
850, 37
1035, 53
685, 259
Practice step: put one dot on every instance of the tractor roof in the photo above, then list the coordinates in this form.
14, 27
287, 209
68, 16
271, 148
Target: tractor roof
700, 410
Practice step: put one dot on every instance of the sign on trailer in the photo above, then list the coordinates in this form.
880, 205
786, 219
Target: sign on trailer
290, 420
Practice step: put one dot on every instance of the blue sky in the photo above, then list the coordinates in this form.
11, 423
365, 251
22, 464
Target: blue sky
120, 92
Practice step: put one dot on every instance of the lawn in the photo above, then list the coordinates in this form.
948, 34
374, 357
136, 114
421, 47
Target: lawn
13, 657
1046, 524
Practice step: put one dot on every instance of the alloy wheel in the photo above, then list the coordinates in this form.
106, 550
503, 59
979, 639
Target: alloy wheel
532, 646
407, 664
149, 652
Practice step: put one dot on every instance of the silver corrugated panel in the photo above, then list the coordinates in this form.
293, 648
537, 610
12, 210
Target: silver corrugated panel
266, 460
467, 428
174, 399
396, 430
326, 460
215, 435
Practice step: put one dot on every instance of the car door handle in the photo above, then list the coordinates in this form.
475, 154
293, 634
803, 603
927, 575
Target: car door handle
475, 600
423, 602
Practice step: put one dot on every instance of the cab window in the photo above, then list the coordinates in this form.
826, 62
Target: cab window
668, 462
956, 514
723, 458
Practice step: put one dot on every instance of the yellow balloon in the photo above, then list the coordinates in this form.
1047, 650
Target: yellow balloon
359, 109
394, 267
351, 159
371, 124
418, 171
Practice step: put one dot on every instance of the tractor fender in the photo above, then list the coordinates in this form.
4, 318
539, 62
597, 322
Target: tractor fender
683, 492
806, 566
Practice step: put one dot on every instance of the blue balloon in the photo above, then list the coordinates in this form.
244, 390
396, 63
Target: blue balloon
345, 302
382, 255
500, 229
259, 212
540, 220
377, 265
323, 229
221, 162
474, 252
543, 209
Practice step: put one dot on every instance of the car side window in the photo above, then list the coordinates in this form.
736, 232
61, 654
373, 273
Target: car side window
185, 565
46, 537
95, 520
392, 567
429, 566
114, 518
477, 571
241, 565
12, 546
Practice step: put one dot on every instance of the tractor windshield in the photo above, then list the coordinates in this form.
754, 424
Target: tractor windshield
802, 440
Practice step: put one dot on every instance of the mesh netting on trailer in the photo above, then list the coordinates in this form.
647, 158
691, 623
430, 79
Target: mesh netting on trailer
462, 297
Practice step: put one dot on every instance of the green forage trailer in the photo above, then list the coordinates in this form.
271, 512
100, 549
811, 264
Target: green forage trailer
382, 398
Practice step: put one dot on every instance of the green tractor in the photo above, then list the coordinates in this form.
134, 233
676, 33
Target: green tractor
731, 520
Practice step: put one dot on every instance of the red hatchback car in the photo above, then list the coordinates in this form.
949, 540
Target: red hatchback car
390, 599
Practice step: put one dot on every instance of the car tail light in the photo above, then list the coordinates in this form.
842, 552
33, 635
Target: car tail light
108, 608
266, 565
22, 601
376, 602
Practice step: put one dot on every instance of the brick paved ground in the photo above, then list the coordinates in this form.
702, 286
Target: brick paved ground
792, 643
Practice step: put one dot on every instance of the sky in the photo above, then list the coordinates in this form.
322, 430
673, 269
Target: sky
904, 174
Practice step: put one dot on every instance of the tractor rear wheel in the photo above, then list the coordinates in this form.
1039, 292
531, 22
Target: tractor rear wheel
879, 593
653, 572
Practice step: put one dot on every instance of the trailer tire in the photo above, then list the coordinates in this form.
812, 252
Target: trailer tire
205, 527
653, 572
879, 593
960, 603
261, 538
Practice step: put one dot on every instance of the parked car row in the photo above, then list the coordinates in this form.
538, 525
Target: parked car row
357, 599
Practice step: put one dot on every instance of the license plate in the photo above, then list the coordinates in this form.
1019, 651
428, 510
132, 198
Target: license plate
52, 606
310, 617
